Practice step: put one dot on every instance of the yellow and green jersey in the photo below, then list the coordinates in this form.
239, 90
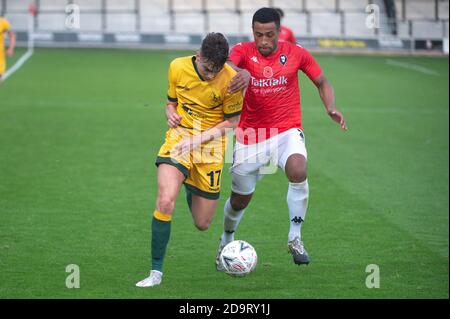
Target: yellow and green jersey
202, 104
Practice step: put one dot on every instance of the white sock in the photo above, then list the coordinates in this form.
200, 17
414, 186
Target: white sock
297, 200
231, 219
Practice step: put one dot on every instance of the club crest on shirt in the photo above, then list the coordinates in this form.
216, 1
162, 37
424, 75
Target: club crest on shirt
268, 72
215, 98
283, 59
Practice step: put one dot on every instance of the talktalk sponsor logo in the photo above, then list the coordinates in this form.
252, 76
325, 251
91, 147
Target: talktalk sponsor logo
282, 80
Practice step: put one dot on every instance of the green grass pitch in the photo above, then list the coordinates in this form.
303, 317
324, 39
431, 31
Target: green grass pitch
79, 131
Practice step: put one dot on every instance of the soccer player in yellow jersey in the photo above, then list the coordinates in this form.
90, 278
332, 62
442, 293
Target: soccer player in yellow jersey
200, 110
5, 28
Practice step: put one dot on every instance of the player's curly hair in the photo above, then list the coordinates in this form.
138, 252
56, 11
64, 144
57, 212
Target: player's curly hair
215, 49
266, 15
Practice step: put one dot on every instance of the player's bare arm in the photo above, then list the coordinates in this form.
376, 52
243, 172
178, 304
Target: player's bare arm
240, 80
188, 144
12, 44
173, 118
326, 92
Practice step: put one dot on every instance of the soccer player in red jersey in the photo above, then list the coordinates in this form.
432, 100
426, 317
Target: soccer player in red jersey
286, 34
270, 128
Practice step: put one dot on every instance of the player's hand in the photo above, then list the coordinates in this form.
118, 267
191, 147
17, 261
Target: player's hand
186, 145
239, 81
338, 118
173, 118
10, 52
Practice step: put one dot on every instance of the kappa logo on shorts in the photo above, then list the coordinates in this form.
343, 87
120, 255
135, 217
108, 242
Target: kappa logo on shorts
301, 134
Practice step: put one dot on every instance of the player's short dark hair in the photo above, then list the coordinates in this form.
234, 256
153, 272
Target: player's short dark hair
266, 15
215, 49
280, 12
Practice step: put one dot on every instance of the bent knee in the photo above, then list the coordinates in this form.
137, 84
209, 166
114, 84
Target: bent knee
202, 225
239, 203
166, 204
297, 176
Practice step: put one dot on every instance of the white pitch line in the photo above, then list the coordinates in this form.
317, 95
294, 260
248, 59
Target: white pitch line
411, 66
18, 64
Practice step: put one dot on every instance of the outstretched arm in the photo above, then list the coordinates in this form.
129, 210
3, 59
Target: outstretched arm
12, 43
189, 143
326, 92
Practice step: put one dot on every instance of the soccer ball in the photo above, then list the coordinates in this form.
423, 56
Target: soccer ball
238, 258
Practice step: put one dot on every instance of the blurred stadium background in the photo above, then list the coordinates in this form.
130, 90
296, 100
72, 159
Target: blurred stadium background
81, 123
403, 24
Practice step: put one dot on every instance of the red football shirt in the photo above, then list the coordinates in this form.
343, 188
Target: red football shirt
272, 101
286, 34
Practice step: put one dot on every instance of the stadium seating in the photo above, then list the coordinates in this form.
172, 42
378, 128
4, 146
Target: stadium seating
220, 6
153, 16
121, 22
154, 7
250, 5
18, 20
353, 5
419, 9
321, 5
298, 22
189, 23
16, 12
48, 4
289, 5
356, 25
89, 5
443, 10
51, 21
326, 24
183, 5
228, 23
311, 18
427, 29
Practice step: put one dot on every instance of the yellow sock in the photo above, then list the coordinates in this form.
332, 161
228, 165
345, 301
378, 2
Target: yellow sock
162, 216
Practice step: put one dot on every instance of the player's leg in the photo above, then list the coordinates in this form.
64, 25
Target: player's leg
244, 176
233, 212
203, 210
248, 159
293, 160
203, 189
189, 198
170, 179
241, 194
298, 193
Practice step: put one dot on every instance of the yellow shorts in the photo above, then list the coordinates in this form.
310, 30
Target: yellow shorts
201, 167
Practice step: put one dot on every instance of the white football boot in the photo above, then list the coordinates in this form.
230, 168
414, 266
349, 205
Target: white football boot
154, 279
